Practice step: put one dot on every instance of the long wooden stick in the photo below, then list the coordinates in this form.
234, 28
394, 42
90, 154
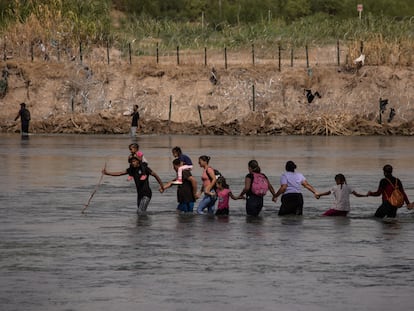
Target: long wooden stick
94, 191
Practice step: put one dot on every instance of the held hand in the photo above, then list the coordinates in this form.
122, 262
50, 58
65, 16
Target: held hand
410, 205
211, 194
166, 186
317, 196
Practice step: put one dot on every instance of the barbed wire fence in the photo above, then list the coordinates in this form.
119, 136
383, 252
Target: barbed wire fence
282, 56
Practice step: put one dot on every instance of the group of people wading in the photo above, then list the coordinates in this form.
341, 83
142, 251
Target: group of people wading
214, 188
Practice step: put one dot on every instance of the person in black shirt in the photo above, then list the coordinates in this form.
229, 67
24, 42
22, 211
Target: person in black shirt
186, 191
134, 122
141, 174
24, 115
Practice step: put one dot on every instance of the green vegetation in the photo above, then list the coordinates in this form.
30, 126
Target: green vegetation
64, 20
252, 11
192, 24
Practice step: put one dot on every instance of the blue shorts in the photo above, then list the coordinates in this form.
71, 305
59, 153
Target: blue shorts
186, 207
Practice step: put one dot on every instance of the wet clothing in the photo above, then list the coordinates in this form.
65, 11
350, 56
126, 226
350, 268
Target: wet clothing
223, 197
386, 188
341, 194
292, 204
222, 211
141, 177
386, 209
186, 207
335, 212
292, 198
142, 204
185, 193
208, 201
254, 203
341, 205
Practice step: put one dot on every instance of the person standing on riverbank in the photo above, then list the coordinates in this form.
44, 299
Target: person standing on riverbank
291, 183
186, 191
24, 115
341, 192
385, 188
134, 121
254, 200
141, 175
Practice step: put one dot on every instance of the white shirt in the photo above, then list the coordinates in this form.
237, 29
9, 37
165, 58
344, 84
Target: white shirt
341, 195
293, 181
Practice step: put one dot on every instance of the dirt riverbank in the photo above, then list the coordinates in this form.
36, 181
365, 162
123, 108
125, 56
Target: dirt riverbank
68, 97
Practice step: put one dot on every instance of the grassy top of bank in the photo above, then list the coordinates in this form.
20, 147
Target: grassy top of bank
98, 23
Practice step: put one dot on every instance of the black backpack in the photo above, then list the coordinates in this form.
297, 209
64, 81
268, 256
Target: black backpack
217, 173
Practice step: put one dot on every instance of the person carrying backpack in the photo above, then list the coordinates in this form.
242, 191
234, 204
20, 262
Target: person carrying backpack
208, 182
24, 115
386, 187
256, 185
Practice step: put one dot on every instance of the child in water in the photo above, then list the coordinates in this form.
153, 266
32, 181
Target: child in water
185, 160
224, 194
135, 152
341, 192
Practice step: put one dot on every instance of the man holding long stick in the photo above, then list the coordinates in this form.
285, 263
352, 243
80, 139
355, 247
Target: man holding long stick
93, 192
141, 174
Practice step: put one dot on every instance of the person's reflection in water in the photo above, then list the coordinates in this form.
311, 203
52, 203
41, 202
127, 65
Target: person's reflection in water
254, 219
291, 220
223, 218
24, 138
143, 220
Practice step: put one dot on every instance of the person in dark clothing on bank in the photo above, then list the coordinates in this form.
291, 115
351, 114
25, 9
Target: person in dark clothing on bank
24, 115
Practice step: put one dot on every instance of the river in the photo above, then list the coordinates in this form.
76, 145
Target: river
53, 257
